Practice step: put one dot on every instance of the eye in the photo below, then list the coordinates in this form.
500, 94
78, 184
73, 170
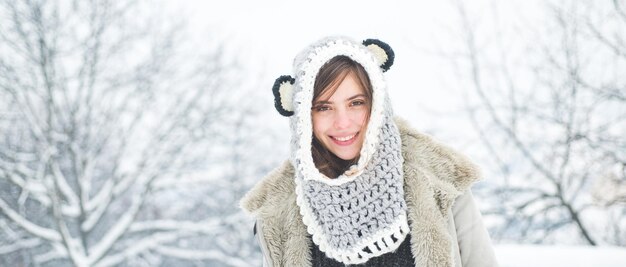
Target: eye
358, 102
321, 108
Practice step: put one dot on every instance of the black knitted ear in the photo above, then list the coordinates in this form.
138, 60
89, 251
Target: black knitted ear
286, 82
384, 46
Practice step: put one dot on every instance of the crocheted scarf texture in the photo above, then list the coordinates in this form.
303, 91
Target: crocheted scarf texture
362, 213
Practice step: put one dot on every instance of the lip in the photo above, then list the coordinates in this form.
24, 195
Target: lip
347, 142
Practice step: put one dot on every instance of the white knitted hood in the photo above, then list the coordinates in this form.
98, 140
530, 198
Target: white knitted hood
354, 217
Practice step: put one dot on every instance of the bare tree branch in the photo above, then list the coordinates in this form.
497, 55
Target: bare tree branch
564, 98
104, 108
32, 228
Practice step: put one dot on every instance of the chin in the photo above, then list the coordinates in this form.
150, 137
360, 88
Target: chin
346, 156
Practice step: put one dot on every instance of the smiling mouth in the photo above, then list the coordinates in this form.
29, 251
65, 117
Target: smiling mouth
344, 140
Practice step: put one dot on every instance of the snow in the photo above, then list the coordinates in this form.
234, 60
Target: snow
20, 244
32, 228
116, 231
512, 255
201, 255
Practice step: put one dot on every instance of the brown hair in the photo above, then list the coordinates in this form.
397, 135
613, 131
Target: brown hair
328, 79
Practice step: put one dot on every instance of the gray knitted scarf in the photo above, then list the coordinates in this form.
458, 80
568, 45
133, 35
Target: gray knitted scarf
365, 217
362, 213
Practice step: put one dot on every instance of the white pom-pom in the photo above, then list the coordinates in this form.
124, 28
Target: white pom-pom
379, 53
286, 95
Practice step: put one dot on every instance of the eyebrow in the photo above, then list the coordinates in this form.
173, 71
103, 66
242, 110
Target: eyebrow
330, 102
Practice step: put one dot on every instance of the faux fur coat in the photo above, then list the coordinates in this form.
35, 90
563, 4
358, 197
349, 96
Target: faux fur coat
445, 226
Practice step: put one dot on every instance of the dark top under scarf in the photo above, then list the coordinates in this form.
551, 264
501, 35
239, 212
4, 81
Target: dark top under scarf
401, 257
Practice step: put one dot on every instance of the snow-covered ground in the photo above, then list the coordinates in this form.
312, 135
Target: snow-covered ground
556, 256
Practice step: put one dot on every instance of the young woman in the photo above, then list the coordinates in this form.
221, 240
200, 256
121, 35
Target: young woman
362, 187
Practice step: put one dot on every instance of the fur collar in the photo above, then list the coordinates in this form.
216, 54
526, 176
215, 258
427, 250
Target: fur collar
434, 175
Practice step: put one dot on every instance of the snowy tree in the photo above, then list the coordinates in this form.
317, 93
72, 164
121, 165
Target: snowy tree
110, 136
546, 93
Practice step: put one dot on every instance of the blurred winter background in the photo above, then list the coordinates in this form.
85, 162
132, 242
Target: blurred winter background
130, 129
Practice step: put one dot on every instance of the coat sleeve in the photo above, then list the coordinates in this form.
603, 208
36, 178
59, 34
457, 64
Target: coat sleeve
258, 232
473, 239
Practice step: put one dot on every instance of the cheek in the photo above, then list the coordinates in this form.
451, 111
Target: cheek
318, 125
362, 118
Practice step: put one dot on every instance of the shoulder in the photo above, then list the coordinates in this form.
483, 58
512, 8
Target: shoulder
447, 170
273, 189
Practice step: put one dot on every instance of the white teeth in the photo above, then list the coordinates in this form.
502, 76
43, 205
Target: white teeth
343, 139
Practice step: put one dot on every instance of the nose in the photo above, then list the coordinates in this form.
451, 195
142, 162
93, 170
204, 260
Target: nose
342, 119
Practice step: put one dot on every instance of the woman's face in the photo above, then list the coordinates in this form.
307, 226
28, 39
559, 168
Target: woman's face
340, 120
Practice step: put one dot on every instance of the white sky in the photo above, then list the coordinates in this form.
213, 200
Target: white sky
268, 35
